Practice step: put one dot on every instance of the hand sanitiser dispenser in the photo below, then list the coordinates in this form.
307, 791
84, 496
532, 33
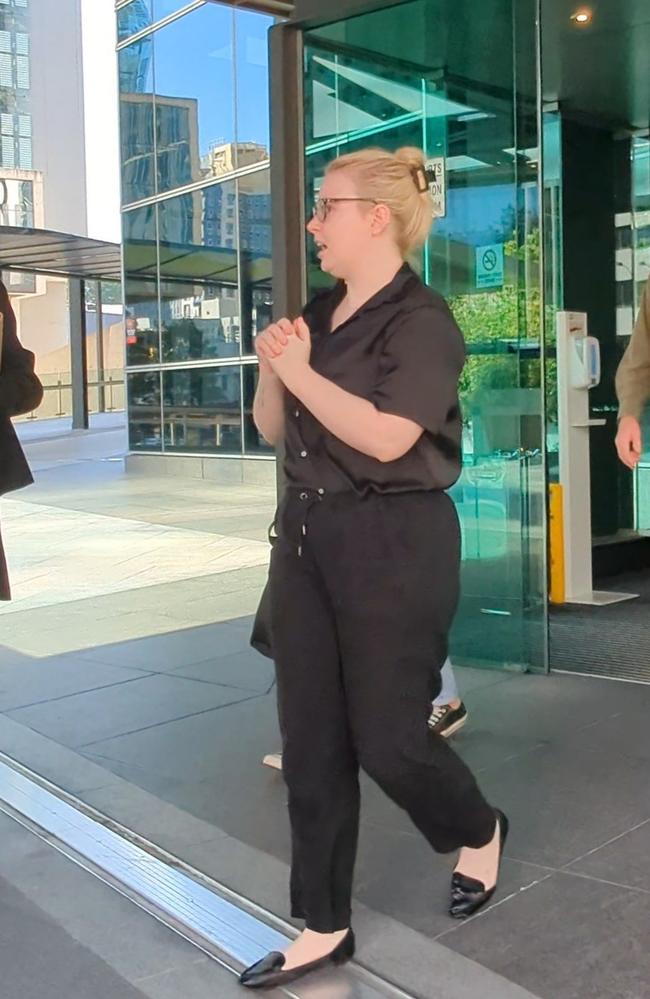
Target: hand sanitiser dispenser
585, 362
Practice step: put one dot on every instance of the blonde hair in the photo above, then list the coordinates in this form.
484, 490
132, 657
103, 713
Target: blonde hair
397, 180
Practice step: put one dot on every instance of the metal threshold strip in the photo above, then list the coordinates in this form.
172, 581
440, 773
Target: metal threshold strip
231, 929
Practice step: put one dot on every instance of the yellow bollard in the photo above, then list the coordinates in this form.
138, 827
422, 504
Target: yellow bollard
556, 544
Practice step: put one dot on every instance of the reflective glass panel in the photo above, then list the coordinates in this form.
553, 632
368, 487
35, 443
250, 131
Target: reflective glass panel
202, 410
254, 443
255, 255
136, 17
252, 78
200, 310
143, 389
141, 13
161, 8
141, 286
137, 120
195, 121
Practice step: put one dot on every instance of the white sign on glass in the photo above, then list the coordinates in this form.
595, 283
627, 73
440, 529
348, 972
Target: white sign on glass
438, 185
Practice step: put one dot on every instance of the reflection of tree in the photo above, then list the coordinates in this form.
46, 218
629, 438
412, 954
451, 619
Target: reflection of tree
182, 341
497, 322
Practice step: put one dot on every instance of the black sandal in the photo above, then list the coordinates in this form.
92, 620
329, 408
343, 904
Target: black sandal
268, 973
469, 895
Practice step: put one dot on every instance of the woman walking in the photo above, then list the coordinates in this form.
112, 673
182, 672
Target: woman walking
363, 390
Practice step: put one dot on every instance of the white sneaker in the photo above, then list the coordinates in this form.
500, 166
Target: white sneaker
273, 760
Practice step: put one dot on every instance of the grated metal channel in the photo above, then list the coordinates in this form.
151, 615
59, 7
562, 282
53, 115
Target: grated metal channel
228, 928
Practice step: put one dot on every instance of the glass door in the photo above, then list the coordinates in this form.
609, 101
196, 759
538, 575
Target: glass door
463, 88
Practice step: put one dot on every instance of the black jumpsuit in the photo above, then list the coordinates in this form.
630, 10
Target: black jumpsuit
363, 590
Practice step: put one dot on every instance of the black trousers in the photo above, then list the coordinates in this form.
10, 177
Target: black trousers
362, 594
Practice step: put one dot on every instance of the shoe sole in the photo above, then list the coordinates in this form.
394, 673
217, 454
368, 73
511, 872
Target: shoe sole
456, 727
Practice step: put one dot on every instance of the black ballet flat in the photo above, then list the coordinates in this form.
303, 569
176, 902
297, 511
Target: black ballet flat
469, 895
268, 973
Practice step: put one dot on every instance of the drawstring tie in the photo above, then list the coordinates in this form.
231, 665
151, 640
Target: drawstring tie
310, 499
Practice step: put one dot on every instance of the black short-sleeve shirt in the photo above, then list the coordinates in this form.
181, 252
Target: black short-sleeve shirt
404, 353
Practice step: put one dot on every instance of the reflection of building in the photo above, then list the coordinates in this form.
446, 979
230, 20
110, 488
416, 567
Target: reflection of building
225, 157
135, 70
252, 223
133, 18
177, 141
196, 224
219, 221
174, 159
255, 222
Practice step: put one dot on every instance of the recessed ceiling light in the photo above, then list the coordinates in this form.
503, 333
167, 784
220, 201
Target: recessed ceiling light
583, 16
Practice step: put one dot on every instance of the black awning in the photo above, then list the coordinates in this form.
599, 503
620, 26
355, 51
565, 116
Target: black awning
42, 251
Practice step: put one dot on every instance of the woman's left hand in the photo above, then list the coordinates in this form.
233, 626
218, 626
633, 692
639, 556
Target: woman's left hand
294, 359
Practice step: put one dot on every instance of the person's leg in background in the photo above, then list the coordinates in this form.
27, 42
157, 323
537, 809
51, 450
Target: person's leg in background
449, 714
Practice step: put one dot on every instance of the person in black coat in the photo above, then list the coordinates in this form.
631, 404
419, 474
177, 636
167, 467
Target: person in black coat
20, 392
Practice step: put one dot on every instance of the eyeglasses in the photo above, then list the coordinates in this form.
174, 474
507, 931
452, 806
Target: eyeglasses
323, 206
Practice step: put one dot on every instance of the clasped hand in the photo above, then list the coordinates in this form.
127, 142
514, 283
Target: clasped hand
284, 348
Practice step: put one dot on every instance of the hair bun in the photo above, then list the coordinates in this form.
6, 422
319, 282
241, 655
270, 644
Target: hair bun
411, 156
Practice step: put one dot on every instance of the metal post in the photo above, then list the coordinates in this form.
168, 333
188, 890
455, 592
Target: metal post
287, 178
101, 374
78, 353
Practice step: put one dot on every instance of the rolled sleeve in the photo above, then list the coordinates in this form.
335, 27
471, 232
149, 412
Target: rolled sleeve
420, 366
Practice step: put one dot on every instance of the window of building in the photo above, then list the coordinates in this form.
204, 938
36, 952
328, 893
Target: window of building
6, 70
197, 279
22, 72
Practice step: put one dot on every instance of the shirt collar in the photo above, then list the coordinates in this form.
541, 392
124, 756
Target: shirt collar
391, 292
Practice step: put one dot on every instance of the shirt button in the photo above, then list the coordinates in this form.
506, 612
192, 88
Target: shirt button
303, 454
304, 496
321, 492
297, 413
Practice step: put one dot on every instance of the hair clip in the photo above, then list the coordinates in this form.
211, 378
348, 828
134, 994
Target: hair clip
422, 178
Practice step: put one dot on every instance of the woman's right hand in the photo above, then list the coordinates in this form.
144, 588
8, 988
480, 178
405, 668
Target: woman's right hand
271, 342
628, 441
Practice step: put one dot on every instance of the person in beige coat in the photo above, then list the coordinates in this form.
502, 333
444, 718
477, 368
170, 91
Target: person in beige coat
633, 386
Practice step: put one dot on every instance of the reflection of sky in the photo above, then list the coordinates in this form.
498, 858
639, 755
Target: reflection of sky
193, 58
479, 215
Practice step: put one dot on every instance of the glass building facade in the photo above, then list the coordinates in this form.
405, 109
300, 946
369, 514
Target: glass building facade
196, 222
513, 104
